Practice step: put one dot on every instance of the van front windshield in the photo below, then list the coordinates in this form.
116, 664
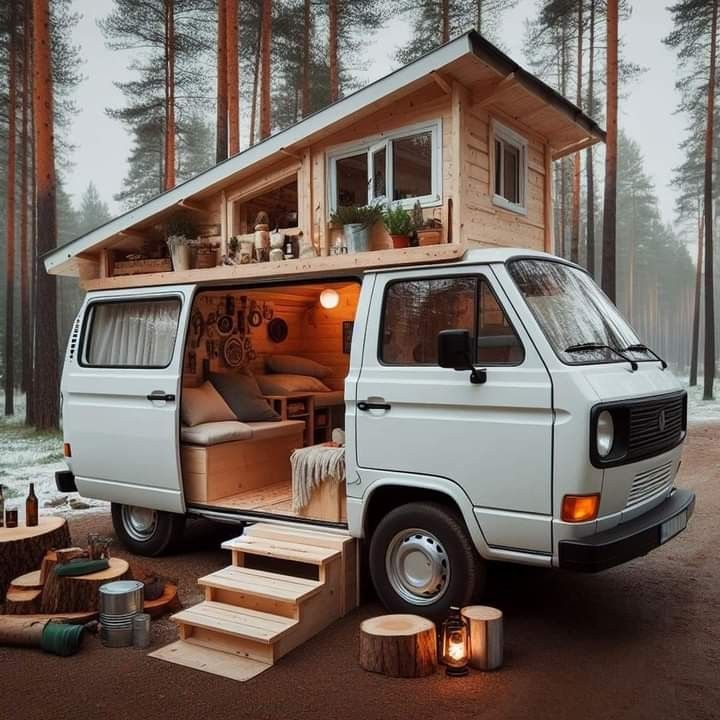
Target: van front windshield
578, 319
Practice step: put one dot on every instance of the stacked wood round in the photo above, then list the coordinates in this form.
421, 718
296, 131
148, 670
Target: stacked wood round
23, 548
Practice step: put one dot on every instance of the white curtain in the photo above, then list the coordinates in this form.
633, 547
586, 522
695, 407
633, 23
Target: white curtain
133, 333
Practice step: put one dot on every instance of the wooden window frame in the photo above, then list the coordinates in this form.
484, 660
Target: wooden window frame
370, 145
507, 136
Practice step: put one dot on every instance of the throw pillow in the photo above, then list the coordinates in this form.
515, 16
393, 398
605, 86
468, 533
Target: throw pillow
204, 404
242, 393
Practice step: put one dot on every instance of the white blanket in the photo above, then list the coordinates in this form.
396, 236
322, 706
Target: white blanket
312, 466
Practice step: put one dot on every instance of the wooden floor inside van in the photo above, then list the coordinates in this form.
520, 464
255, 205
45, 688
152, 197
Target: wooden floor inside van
275, 499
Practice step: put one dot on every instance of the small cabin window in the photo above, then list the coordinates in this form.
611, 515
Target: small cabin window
510, 168
415, 311
131, 333
403, 166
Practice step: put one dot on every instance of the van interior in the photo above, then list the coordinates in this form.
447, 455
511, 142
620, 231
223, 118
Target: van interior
263, 376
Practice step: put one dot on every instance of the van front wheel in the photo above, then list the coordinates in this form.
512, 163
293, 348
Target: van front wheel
144, 531
422, 560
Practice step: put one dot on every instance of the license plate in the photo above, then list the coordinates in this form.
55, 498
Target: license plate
670, 528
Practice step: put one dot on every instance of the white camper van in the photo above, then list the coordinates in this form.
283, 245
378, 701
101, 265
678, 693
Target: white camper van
495, 408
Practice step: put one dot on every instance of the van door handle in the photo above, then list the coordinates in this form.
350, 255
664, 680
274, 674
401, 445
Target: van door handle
160, 395
365, 405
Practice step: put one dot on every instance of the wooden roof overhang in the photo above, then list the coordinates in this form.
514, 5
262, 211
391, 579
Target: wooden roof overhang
493, 79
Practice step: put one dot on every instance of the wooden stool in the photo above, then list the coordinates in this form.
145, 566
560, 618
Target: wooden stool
398, 646
486, 636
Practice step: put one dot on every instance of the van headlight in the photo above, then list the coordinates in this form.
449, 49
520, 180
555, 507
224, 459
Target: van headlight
605, 433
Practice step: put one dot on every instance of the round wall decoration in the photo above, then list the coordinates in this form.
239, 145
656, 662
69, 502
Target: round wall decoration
255, 318
233, 352
277, 330
225, 324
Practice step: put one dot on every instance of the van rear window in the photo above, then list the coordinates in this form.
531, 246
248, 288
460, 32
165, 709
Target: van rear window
131, 333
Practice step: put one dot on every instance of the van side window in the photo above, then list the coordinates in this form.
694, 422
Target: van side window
415, 311
131, 333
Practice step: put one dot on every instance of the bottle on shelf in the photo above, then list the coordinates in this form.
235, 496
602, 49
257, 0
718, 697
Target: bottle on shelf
31, 508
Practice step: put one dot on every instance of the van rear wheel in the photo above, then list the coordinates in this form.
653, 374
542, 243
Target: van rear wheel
422, 560
144, 531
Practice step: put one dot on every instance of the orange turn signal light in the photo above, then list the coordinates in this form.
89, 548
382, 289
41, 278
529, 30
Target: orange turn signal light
66, 450
580, 508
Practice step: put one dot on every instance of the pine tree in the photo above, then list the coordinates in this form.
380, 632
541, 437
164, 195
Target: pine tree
695, 37
265, 55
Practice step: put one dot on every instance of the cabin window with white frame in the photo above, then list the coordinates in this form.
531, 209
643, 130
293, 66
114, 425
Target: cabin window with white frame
510, 169
402, 167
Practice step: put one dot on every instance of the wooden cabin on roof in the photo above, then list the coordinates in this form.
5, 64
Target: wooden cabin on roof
464, 131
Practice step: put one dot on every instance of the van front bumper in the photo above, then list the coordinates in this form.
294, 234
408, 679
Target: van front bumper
630, 539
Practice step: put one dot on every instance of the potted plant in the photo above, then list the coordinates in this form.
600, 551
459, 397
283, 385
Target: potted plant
428, 231
180, 233
356, 221
399, 225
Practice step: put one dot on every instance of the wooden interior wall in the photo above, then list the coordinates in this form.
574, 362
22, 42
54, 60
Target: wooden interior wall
313, 332
322, 334
483, 223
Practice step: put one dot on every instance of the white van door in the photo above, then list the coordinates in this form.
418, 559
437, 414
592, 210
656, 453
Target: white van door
121, 390
493, 440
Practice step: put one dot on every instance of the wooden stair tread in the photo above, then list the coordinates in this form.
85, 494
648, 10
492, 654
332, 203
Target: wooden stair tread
281, 549
249, 624
262, 584
294, 534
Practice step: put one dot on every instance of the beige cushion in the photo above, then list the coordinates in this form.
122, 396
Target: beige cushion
213, 433
295, 365
266, 430
204, 405
330, 399
288, 384
243, 395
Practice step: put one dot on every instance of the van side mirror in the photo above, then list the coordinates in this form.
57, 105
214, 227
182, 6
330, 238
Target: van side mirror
455, 351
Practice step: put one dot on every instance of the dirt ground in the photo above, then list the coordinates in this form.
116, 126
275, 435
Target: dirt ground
639, 641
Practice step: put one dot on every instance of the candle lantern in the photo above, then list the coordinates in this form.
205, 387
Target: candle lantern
454, 643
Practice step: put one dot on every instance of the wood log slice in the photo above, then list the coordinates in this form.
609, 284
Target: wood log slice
486, 636
398, 646
22, 600
28, 580
21, 631
23, 548
81, 592
167, 602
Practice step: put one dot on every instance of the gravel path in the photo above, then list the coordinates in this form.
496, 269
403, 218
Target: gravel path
639, 641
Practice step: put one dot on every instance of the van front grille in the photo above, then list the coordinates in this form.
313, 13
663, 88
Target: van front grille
656, 426
649, 483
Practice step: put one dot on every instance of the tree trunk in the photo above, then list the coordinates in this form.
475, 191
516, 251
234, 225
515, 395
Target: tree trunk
169, 94
221, 123
333, 50
610, 200
233, 89
305, 70
479, 16
445, 21
25, 314
575, 238
266, 39
9, 384
696, 306
45, 375
589, 170
709, 355
256, 77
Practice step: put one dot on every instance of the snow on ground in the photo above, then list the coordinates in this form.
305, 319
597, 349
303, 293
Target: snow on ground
699, 410
28, 455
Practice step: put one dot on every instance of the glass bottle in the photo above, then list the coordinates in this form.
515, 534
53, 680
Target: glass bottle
31, 508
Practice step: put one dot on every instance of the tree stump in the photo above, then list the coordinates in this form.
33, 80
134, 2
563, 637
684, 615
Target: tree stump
23, 548
79, 593
486, 636
398, 646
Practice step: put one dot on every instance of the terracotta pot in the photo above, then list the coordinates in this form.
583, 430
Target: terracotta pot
400, 241
429, 237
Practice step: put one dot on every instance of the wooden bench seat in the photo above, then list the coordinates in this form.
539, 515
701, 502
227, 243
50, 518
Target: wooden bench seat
215, 470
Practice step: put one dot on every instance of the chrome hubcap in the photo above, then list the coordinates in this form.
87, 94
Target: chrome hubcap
417, 566
140, 523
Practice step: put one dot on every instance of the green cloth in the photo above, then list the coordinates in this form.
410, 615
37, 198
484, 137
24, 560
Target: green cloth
81, 566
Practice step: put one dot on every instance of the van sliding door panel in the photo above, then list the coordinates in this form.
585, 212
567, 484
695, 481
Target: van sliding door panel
125, 444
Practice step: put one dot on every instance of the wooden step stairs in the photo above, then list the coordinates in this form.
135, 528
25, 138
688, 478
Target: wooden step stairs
285, 585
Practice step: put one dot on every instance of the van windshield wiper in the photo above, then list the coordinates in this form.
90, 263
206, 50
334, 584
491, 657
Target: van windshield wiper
639, 347
589, 347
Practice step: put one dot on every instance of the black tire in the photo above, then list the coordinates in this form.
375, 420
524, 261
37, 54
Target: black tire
455, 550
160, 538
